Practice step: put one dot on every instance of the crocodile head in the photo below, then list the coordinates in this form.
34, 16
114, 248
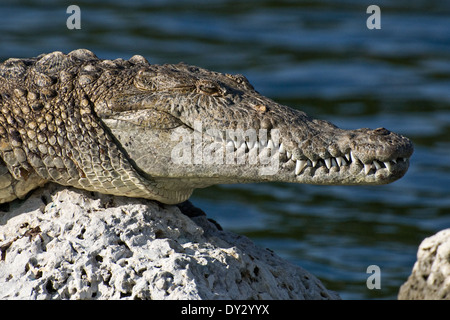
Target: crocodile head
184, 127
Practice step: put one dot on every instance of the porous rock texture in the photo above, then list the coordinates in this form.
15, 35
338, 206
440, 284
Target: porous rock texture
430, 277
70, 244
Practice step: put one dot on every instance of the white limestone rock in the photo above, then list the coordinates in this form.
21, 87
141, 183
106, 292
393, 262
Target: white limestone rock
70, 244
430, 277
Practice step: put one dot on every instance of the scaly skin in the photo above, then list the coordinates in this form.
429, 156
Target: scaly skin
118, 127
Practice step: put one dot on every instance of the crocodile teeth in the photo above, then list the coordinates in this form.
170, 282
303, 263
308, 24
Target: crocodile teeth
270, 145
282, 149
262, 144
328, 163
334, 162
377, 165
339, 162
299, 166
251, 144
242, 148
388, 166
354, 159
275, 145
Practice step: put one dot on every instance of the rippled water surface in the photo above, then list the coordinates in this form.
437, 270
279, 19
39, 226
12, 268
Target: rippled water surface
315, 56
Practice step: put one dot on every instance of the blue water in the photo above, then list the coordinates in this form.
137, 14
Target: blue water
317, 57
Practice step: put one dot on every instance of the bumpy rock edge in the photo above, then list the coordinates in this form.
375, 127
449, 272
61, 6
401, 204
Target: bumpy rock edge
71, 244
430, 277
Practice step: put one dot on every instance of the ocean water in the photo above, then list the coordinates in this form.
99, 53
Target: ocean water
317, 57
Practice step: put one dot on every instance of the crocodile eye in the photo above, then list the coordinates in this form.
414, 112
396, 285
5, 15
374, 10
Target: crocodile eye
209, 87
209, 90
145, 79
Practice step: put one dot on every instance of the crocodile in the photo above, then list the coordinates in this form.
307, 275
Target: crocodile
135, 129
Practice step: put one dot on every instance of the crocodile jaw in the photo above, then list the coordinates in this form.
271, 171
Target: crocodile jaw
178, 157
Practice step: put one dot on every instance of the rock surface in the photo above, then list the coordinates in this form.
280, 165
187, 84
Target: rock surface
430, 277
71, 244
